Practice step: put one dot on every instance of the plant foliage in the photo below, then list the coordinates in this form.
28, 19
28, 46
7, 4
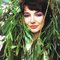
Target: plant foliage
18, 36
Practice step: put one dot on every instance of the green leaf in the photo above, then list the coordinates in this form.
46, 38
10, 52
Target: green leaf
7, 1
1, 11
13, 46
17, 50
0, 2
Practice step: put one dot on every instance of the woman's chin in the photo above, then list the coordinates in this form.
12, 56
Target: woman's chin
35, 31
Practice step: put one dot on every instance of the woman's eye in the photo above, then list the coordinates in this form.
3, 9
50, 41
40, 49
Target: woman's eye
26, 15
39, 14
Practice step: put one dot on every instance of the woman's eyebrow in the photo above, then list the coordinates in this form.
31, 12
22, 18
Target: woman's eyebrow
38, 12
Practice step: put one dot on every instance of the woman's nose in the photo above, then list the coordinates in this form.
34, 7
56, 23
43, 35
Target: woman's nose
32, 20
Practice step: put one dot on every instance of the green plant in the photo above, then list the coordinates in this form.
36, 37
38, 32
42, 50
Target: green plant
15, 31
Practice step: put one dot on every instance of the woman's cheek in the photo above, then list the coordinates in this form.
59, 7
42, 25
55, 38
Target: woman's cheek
40, 19
27, 20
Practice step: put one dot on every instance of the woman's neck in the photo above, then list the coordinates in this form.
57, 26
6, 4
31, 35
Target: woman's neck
35, 36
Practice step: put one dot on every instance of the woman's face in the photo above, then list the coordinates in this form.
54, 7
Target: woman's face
34, 19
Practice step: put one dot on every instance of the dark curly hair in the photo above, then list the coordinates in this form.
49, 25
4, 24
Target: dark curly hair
38, 5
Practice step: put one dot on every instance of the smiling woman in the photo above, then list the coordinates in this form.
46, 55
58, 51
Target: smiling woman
37, 17
34, 19
36, 37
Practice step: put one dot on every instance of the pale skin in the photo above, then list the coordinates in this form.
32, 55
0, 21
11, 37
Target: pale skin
34, 21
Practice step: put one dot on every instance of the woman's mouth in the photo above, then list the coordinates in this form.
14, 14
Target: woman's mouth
33, 26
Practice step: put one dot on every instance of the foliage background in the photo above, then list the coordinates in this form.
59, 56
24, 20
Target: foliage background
11, 25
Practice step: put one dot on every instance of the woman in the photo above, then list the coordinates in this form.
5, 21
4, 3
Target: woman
38, 39
37, 16
37, 42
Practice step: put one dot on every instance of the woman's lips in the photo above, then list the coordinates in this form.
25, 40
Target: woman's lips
33, 26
